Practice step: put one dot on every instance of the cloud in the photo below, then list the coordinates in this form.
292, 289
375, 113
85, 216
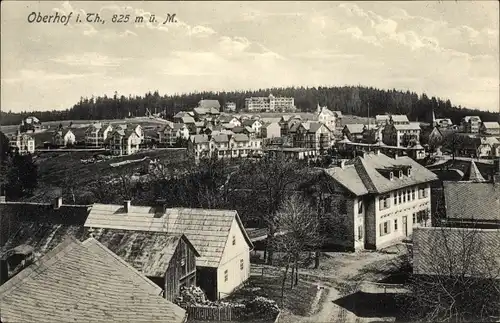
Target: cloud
89, 59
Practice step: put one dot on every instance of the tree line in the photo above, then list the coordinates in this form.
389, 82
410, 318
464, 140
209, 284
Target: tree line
354, 100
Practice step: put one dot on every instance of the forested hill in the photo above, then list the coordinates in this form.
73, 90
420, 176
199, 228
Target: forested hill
348, 99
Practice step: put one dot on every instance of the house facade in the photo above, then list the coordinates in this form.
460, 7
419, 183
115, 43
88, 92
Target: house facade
313, 135
490, 128
254, 124
63, 138
22, 143
374, 201
326, 117
124, 142
471, 124
223, 244
223, 146
96, 134
171, 132
230, 107
270, 103
401, 135
354, 132
271, 130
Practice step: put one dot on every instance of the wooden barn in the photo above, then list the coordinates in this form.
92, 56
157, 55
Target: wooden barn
169, 260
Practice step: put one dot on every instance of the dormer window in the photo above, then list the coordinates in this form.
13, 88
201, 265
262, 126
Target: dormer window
400, 174
408, 172
391, 176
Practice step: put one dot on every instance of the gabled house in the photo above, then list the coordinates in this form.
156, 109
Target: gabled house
178, 117
382, 119
230, 107
398, 119
171, 132
254, 124
96, 134
373, 201
169, 260
490, 128
30, 124
199, 147
124, 142
326, 117
63, 138
83, 282
471, 124
218, 235
354, 132
401, 134
314, 135
22, 143
271, 130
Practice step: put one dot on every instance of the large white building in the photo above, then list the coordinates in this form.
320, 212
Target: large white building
23, 143
373, 201
270, 103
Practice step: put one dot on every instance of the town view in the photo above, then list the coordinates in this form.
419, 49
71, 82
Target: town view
223, 189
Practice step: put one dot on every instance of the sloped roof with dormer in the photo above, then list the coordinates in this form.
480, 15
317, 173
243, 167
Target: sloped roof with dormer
208, 230
84, 282
361, 175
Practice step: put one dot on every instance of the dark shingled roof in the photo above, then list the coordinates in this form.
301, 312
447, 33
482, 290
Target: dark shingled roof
207, 230
20, 220
148, 252
472, 201
361, 175
455, 251
84, 282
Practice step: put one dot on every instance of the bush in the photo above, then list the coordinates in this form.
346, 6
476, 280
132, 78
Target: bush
261, 307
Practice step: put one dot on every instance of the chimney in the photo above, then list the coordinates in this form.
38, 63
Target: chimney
58, 202
126, 205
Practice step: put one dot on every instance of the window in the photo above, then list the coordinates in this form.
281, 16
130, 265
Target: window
395, 224
400, 174
234, 240
360, 232
241, 264
408, 172
360, 206
385, 228
391, 175
413, 193
395, 198
384, 202
404, 196
399, 197
226, 275
414, 218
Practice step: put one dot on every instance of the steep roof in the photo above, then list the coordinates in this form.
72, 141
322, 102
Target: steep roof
220, 138
361, 175
382, 117
355, 128
491, 125
410, 126
249, 122
399, 118
84, 282
148, 252
472, 201
473, 174
456, 251
199, 139
208, 230
240, 137
187, 119
15, 216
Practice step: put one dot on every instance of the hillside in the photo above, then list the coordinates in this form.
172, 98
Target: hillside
353, 100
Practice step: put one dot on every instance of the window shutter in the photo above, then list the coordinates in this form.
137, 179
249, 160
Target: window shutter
381, 229
381, 203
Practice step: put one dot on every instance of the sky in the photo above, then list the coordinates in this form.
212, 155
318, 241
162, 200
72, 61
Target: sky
446, 49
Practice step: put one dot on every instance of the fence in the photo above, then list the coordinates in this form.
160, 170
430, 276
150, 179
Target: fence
215, 313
